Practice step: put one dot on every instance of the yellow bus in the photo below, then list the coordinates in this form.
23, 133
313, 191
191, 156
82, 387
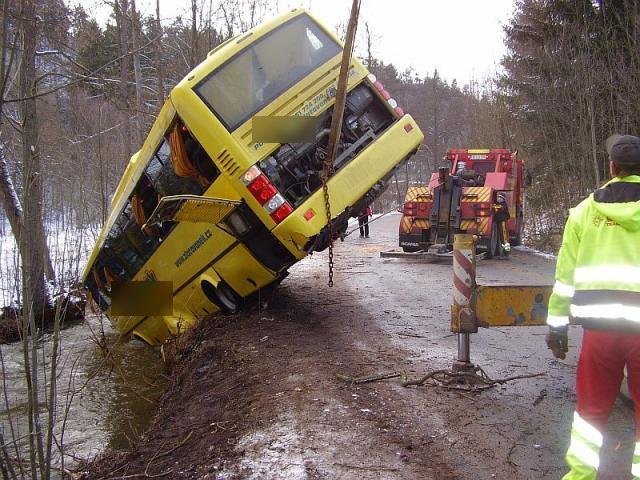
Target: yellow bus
222, 216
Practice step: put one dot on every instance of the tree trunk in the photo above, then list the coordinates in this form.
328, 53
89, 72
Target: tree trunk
120, 8
137, 75
13, 210
31, 245
594, 145
159, 66
34, 291
194, 34
9, 199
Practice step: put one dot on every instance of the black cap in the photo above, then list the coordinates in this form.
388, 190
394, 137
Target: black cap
624, 150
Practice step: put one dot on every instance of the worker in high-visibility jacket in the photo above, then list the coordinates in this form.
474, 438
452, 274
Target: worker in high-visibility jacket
598, 286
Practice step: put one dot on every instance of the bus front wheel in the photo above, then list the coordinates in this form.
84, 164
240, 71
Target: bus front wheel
223, 296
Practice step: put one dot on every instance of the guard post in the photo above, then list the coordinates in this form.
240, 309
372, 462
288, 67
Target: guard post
463, 319
488, 305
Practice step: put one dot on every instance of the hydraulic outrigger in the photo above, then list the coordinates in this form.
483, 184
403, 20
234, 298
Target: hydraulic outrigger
477, 306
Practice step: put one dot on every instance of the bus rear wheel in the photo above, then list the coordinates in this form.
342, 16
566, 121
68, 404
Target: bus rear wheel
223, 296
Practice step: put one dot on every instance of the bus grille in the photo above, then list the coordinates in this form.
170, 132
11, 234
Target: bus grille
228, 163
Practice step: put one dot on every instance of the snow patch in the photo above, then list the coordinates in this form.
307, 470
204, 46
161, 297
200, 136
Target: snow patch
533, 251
69, 249
274, 453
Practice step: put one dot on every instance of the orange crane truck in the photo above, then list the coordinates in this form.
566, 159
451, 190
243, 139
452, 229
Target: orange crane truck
480, 192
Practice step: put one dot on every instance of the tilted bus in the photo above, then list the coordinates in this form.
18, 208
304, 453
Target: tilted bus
222, 216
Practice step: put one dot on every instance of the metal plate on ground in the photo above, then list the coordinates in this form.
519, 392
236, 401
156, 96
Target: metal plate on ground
422, 256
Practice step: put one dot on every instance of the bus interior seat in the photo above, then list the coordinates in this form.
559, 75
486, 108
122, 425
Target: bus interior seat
189, 158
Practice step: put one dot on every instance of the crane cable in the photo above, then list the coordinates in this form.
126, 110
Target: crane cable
336, 123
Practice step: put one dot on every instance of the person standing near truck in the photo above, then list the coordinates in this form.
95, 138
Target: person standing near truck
363, 221
598, 286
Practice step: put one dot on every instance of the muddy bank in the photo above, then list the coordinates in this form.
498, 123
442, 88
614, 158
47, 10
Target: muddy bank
245, 390
259, 396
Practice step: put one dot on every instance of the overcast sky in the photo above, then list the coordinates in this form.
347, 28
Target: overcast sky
463, 39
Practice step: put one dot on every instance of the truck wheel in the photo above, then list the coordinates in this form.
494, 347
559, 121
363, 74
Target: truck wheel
410, 249
493, 244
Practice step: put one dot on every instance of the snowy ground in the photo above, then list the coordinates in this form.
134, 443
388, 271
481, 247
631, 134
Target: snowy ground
69, 248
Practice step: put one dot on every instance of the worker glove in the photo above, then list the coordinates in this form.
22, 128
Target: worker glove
558, 341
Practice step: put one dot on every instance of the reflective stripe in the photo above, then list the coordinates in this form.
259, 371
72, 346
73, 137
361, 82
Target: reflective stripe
584, 454
606, 273
563, 289
586, 430
611, 311
635, 465
595, 296
557, 321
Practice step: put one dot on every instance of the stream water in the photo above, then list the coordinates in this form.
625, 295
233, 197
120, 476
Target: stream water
102, 401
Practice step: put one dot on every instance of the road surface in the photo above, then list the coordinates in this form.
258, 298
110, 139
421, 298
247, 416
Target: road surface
259, 395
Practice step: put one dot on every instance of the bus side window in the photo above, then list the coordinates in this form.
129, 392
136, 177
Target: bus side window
200, 159
143, 202
98, 278
138, 241
120, 245
164, 178
98, 297
113, 268
189, 158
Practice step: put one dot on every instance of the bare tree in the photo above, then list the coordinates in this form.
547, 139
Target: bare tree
137, 73
194, 34
34, 292
159, 66
120, 10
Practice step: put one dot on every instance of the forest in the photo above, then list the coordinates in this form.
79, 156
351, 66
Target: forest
78, 96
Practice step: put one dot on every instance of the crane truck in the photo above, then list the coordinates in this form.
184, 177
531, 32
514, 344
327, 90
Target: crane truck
480, 192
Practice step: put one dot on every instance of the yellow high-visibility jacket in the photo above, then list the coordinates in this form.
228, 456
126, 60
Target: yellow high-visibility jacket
598, 270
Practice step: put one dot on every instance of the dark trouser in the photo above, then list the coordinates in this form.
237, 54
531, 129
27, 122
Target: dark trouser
364, 226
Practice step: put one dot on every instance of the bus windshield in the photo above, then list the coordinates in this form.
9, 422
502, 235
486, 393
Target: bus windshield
258, 74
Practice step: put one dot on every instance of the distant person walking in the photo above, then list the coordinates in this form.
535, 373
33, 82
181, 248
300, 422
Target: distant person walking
598, 286
363, 221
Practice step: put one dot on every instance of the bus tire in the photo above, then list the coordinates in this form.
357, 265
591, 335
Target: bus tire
410, 249
223, 296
